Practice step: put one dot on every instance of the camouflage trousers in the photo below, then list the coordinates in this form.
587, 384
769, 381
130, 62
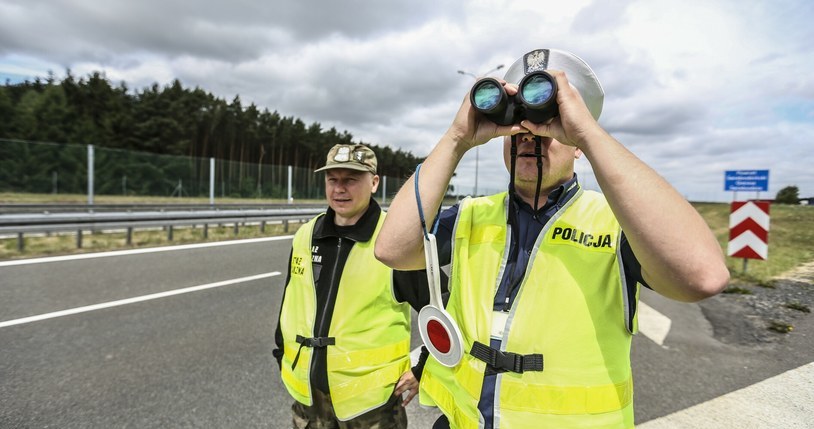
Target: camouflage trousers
321, 415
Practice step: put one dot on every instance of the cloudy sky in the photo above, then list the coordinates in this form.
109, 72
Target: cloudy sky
693, 87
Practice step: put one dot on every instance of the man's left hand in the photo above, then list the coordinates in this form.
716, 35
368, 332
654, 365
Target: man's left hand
407, 383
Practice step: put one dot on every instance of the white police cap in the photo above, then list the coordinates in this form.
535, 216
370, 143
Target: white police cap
578, 72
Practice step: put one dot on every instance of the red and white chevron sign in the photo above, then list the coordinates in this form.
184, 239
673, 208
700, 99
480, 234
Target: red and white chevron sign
749, 230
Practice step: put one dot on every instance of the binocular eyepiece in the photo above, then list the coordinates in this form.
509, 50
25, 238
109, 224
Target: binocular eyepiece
536, 99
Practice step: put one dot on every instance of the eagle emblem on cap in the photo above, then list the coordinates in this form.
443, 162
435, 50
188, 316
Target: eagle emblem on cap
536, 61
342, 155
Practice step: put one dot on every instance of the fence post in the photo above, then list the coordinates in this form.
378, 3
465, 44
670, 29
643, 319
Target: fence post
211, 181
90, 174
20, 242
290, 172
384, 190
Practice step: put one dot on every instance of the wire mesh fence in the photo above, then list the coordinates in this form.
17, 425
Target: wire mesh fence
57, 168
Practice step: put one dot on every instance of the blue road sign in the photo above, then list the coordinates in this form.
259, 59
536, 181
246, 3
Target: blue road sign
746, 180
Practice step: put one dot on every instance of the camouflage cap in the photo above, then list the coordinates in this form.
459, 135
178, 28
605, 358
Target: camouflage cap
351, 156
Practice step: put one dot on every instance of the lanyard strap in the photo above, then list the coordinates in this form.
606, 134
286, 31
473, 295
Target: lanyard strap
421, 209
430, 249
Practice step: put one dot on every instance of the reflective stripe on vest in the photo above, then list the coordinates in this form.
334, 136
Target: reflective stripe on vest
571, 308
371, 329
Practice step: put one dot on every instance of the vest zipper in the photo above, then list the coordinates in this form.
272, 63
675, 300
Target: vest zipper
334, 286
513, 282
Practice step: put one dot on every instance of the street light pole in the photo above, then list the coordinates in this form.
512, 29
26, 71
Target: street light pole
477, 148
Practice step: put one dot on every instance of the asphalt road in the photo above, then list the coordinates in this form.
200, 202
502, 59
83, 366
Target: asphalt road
182, 338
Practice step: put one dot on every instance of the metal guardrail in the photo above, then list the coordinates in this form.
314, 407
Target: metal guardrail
20, 224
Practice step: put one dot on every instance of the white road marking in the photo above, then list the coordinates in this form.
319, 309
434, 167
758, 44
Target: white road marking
138, 251
783, 401
135, 299
653, 324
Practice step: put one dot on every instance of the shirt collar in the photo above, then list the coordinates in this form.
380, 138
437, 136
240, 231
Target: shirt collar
559, 196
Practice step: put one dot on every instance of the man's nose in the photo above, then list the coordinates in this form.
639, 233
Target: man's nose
531, 138
527, 138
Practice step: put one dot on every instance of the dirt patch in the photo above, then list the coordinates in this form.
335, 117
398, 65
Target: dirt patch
767, 313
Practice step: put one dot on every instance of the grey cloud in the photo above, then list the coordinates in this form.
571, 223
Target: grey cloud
655, 119
599, 16
233, 31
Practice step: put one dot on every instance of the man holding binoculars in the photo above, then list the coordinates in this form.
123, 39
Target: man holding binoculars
544, 277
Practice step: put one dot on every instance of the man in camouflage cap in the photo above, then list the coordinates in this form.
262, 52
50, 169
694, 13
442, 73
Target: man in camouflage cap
343, 337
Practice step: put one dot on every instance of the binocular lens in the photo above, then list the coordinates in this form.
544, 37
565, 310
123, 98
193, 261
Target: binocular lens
537, 90
535, 99
487, 95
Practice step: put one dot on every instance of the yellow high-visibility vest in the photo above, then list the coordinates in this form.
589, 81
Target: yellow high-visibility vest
371, 330
572, 307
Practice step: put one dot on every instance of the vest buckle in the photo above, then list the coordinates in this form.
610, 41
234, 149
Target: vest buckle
313, 342
499, 361
316, 342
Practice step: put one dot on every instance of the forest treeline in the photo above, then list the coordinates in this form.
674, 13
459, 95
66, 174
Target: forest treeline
171, 120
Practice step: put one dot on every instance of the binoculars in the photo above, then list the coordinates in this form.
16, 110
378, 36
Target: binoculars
536, 99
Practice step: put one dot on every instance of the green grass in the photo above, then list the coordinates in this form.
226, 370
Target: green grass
737, 290
791, 234
780, 326
798, 306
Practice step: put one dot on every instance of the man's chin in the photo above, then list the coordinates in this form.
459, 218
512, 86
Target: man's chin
341, 207
526, 180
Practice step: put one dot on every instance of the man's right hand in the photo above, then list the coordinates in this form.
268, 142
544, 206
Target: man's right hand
470, 128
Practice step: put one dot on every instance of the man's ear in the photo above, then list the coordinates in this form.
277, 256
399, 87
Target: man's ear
375, 183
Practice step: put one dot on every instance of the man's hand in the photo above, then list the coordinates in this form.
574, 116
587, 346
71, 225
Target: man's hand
471, 128
407, 383
575, 126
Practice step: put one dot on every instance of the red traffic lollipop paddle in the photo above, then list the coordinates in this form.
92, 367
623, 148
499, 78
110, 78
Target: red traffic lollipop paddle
439, 332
